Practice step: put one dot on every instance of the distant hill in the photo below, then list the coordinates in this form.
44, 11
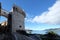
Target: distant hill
56, 30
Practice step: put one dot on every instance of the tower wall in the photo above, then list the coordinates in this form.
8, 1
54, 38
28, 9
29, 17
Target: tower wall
9, 27
17, 20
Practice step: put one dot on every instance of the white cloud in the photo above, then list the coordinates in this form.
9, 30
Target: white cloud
51, 16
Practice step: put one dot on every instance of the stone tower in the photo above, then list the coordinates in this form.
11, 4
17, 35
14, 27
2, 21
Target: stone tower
15, 18
18, 16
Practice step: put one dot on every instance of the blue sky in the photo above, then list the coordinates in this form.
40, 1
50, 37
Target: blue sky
33, 9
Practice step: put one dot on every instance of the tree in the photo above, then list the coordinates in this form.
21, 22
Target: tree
51, 35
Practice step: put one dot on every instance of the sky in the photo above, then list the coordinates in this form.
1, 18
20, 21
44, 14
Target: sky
40, 14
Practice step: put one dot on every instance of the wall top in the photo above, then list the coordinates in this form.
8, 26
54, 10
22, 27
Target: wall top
16, 8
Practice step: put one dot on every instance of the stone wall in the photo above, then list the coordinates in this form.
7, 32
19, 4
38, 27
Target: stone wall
17, 21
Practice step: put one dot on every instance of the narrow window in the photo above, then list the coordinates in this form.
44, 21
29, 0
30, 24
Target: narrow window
20, 26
